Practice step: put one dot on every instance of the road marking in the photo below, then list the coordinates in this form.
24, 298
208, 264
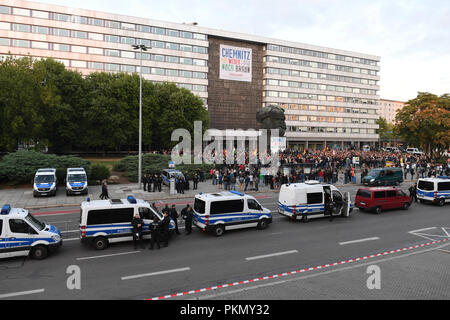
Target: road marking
445, 231
15, 294
420, 230
108, 255
329, 265
357, 241
70, 231
70, 239
155, 273
271, 255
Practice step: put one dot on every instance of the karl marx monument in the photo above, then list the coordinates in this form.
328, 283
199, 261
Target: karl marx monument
272, 117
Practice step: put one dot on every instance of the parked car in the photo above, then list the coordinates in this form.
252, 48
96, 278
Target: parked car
379, 199
383, 177
414, 151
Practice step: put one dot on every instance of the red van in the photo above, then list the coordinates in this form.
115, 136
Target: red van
381, 198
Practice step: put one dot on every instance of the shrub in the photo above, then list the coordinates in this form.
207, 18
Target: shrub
20, 167
99, 172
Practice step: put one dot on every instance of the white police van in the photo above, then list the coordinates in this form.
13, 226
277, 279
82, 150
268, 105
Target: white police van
76, 181
228, 210
435, 190
21, 234
45, 182
107, 221
170, 173
304, 201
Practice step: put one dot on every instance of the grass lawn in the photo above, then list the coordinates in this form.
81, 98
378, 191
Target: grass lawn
109, 162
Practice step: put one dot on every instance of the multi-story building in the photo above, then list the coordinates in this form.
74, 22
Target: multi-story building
388, 109
330, 95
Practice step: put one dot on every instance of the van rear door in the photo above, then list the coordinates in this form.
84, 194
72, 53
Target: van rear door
346, 208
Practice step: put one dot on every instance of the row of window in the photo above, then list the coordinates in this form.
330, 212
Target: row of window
324, 55
101, 51
306, 96
323, 76
102, 23
294, 117
296, 73
330, 130
102, 37
316, 86
313, 64
306, 107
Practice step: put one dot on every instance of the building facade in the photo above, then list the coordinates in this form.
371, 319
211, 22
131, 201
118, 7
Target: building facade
330, 96
388, 109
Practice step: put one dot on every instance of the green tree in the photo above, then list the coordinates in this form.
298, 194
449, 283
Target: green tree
425, 122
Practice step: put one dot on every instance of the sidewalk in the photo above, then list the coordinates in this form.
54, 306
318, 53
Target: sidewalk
23, 198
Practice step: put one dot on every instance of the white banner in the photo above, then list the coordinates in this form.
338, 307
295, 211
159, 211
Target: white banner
277, 144
235, 63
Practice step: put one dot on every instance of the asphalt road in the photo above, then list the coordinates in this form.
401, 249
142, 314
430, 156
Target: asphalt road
200, 260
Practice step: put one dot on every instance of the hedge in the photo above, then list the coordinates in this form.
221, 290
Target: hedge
20, 167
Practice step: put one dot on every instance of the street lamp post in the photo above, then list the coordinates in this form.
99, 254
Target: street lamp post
140, 47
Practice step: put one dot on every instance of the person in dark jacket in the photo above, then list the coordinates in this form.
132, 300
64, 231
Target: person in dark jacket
137, 224
174, 215
195, 181
159, 182
145, 181
413, 193
155, 234
164, 225
149, 183
187, 215
104, 194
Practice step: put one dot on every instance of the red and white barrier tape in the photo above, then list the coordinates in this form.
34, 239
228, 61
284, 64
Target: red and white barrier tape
234, 284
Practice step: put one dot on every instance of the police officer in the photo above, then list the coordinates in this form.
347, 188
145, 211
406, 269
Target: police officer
164, 228
187, 215
155, 233
166, 208
137, 224
159, 182
329, 206
174, 215
413, 192
149, 183
145, 181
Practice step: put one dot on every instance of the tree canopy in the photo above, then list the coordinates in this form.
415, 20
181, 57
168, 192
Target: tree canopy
425, 122
41, 102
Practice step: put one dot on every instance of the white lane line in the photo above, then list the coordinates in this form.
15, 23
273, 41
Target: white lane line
271, 255
445, 231
358, 241
155, 273
70, 239
108, 255
420, 230
70, 231
15, 294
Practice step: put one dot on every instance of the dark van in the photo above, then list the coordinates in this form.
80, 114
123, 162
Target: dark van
383, 177
381, 198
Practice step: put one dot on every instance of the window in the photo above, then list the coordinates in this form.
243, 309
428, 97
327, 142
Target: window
79, 49
146, 29
1, 227
253, 205
78, 64
199, 36
80, 20
128, 26
172, 33
391, 194
127, 40
160, 31
158, 44
199, 62
112, 67
21, 27
185, 47
127, 54
41, 30
172, 46
62, 17
96, 22
5, 10
112, 24
79, 34
313, 198
172, 72
39, 45
95, 36
96, 65
199, 206
61, 32
21, 12
61, 47
426, 185
4, 42
186, 34
127, 68
96, 51
146, 213
21, 43
380, 194
99, 217
172, 59
186, 61
364, 193
228, 206
203, 50
20, 226
443, 186
400, 193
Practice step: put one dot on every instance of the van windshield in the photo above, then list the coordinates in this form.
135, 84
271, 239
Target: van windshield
35, 222
76, 177
44, 179
373, 173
